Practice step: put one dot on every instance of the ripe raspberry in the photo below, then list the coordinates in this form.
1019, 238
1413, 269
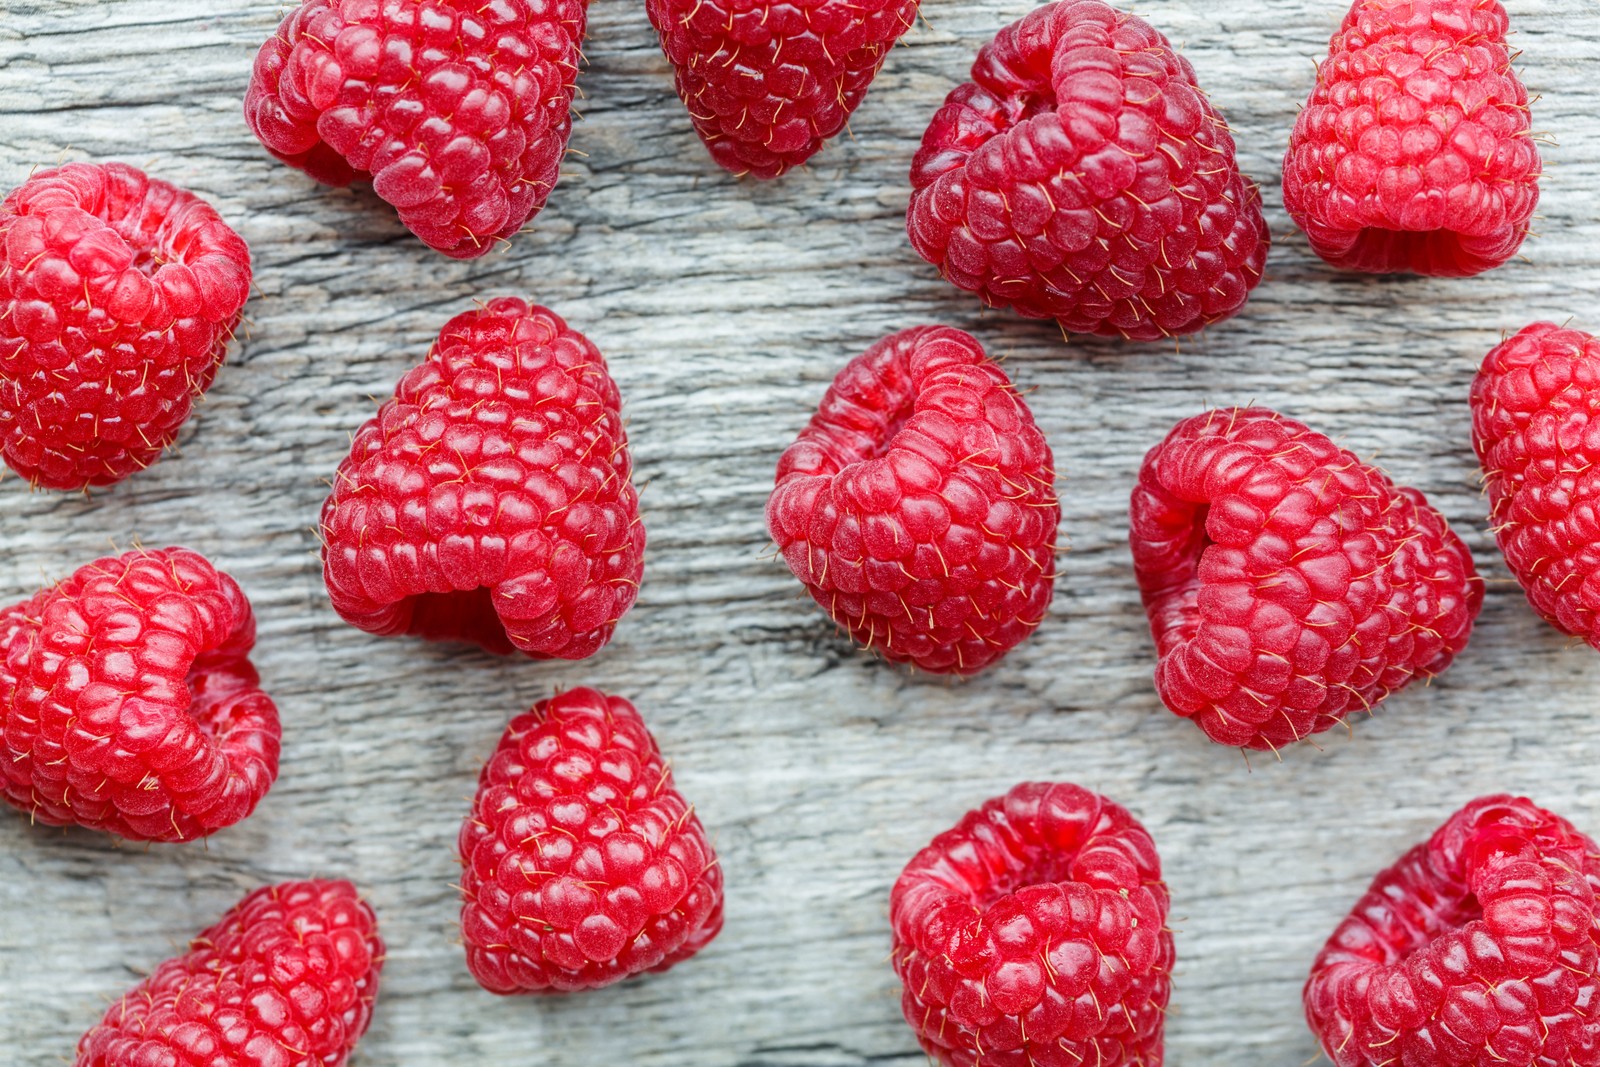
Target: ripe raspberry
1532, 425
1033, 934
118, 297
458, 114
1480, 948
489, 501
1413, 152
285, 979
767, 83
1288, 583
1083, 176
919, 505
128, 702
582, 863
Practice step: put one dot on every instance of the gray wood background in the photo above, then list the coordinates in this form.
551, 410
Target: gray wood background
724, 308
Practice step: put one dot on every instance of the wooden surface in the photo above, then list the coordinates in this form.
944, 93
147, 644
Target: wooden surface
724, 307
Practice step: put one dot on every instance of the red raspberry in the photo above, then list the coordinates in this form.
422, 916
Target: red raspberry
118, 297
489, 501
582, 863
1083, 176
1531, 424
458, 114
1034, 934
1413, 153
919, 505
766, 83
285, 979
1480, 948
1289, 584
128, 702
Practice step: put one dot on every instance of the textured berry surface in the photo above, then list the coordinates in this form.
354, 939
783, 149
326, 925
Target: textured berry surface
767, 83
128, 702
458, 114
919, 505
582, 863
490, 500
118, 297
1534, 424
1480, 948
1288, 584
1082, 176
1413, 153
1033, 934
285, 979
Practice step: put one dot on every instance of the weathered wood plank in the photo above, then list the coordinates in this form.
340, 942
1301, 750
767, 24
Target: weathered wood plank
724, 308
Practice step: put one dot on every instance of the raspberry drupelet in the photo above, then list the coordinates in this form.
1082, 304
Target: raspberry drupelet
119, 294
1082, 176
767, 83
287, 978
1288, 584
583, 865
128, 703
1480, 948
490, 500
1413, 153
1034, 934
1534, 426
919, 505
458, 114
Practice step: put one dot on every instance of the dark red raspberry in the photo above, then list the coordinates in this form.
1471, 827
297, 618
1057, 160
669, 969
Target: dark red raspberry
1034, 934
767, 83
118, 297
285, 979
489, 501
1413, 153
1532, 423
582, 863
1289, 584
1083, 176
458, 114
128, 702
919, 505
1480, 948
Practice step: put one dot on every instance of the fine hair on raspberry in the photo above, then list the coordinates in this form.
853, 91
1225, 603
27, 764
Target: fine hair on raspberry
1034, 932
457, 114
1414, 153
1288, 584
119, 294
1479, 948
128, 702
1083, 176
918, 506
582, 863
489, 501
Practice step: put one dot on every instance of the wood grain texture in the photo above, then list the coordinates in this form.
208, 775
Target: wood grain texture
724, 307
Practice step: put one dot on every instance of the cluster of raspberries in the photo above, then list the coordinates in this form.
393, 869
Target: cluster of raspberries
1081, 175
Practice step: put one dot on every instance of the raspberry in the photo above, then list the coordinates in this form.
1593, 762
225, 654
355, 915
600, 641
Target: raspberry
285, 979
458, 114
1480, 948
766, 83
919, 505
582, 864
1082, 176
1531, 425
118, 297
128, 702
1288, 583
489, 501
1413, 153
1034, 934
